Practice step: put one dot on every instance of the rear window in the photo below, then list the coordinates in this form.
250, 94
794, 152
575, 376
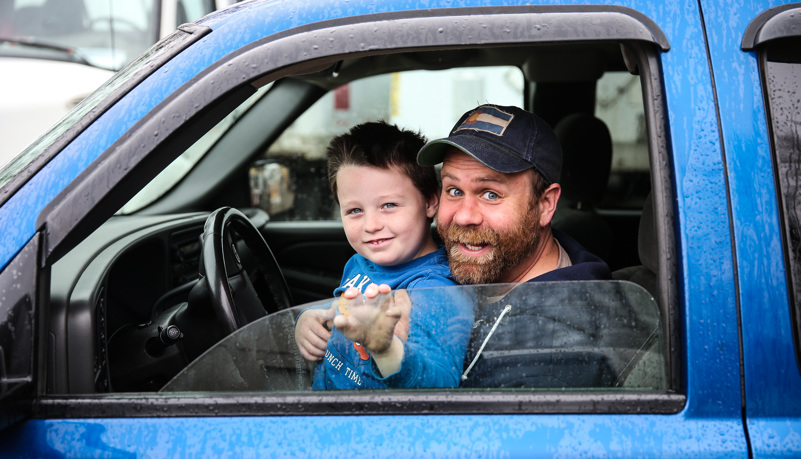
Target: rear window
782, 75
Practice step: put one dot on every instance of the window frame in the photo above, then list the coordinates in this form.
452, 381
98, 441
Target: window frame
135, 158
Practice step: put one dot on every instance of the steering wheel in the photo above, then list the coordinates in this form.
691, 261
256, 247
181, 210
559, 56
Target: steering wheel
234, 298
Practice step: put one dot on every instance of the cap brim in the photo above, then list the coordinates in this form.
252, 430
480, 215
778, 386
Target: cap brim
434, 151
487, 153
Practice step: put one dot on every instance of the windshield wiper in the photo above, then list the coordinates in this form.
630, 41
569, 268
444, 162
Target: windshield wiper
73, 53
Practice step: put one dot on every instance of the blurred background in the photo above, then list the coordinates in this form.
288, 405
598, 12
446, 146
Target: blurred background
54, 53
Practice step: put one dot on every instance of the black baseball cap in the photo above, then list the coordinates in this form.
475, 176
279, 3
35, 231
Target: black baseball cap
505, 139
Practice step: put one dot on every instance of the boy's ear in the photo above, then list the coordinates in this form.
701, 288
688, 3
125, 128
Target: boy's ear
432, 205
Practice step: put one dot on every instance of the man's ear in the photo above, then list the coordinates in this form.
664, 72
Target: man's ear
432, 205
548, 202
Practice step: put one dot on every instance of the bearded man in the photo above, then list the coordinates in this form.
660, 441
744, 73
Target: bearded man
500, 186
500, 174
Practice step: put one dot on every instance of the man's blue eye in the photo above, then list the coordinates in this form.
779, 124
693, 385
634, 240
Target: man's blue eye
491, 195
455, 192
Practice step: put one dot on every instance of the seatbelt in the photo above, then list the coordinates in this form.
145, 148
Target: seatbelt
494, 326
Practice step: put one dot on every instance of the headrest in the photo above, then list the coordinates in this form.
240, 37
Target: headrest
646, 236
586, 158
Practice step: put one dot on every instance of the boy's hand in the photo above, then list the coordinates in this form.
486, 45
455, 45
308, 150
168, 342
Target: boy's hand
373, 323
312, 331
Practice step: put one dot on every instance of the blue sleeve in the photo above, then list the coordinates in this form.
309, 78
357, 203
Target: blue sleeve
439, 332
319, 306
350, 266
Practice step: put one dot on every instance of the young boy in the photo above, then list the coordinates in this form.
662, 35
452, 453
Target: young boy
387, 204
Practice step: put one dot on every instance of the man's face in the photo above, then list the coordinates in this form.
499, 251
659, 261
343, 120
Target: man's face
489, 221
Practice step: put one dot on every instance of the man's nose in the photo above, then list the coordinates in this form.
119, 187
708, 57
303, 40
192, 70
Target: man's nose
467, 213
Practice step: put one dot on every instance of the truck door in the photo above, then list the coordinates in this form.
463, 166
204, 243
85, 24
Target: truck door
758, 82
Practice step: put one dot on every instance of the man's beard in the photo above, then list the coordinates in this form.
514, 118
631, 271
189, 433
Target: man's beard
508, 248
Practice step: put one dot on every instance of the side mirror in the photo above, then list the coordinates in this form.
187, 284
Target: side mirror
271, 187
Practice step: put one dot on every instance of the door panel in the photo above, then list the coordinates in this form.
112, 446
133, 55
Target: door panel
311, 255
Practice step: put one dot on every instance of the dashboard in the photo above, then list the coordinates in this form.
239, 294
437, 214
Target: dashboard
119, 277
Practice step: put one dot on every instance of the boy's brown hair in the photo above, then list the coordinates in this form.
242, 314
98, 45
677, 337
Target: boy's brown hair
381, 145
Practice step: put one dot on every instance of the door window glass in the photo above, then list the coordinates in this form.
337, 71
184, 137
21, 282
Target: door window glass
592, 334
782, 70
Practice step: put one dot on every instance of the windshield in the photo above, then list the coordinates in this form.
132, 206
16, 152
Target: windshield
173, 173
102, 33
542, 335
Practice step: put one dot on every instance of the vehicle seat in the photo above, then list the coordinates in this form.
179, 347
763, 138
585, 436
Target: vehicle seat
651, 363
586, 161
644, 274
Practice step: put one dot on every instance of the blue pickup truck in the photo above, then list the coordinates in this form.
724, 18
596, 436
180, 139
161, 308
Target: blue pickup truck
679, 123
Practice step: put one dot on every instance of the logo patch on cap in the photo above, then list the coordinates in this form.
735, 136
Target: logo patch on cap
487, 119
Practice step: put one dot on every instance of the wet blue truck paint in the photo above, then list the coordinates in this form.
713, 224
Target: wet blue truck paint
711, 421
386, 436
772, 377
705, 260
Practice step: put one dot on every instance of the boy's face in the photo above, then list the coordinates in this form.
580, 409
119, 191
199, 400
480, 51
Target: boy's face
384, 215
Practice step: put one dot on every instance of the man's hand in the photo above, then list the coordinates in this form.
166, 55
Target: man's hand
312, 332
